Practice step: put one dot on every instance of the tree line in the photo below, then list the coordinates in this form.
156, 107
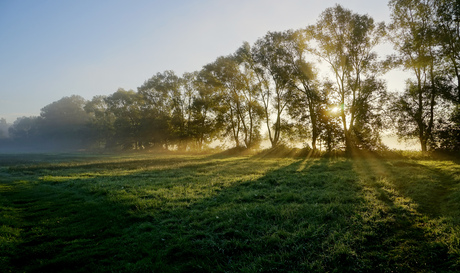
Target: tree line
273, 90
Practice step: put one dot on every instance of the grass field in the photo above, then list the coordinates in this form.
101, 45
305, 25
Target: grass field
211, 213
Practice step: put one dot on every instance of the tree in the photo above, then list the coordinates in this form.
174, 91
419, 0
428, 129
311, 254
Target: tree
323, 115
223, 76
446, 16
127, 109
413, 36
448, 134
165, 108
346, 42
64, 123
25, 129
273, 74
189, 93
238, 98
331, 133
3, 128
207, 118
447, 30
66, 112
101, 122
251, 94
306, 100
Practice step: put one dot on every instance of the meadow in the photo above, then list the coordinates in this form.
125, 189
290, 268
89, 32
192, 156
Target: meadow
222, 213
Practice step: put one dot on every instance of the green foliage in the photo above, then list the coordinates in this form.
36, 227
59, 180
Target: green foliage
425, 35
346, 42
448, 135
215, 213
126, 108
272, 59
237, 104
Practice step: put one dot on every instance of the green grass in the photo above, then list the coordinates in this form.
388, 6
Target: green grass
183, 213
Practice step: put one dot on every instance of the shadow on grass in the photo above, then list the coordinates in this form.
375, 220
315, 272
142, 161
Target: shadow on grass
410, 226
49, 228
216, 214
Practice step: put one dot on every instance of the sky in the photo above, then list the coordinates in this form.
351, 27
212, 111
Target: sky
51, 49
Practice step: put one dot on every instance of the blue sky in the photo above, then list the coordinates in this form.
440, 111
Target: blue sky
55, 48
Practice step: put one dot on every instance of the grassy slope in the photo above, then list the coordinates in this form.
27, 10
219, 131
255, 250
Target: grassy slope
228, 214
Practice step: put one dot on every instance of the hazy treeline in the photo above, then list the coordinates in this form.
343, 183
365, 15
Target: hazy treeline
273, 90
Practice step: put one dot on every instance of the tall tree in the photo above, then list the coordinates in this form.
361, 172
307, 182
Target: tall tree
163, 108
189, 93
238, 104
208, 121
251, 94
447, 25
222, 75
414, 38
446, 16
273, 74
306, 99
346, 42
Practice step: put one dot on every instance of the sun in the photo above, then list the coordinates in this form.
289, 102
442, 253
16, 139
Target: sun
335, 110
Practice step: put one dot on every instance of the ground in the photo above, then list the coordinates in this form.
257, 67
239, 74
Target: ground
222, 213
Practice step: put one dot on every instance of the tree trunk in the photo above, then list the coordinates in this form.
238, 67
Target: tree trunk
423, 145
346, 133
314, 127
348, 143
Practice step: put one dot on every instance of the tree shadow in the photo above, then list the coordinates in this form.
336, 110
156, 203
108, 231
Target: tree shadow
224, 215
58, 228
406, 213
68, 223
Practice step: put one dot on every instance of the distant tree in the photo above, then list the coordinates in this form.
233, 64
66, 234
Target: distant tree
25, 129
126, 107
66, 111
101, 123
3, 128
346, 42
64, 123
330, 132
